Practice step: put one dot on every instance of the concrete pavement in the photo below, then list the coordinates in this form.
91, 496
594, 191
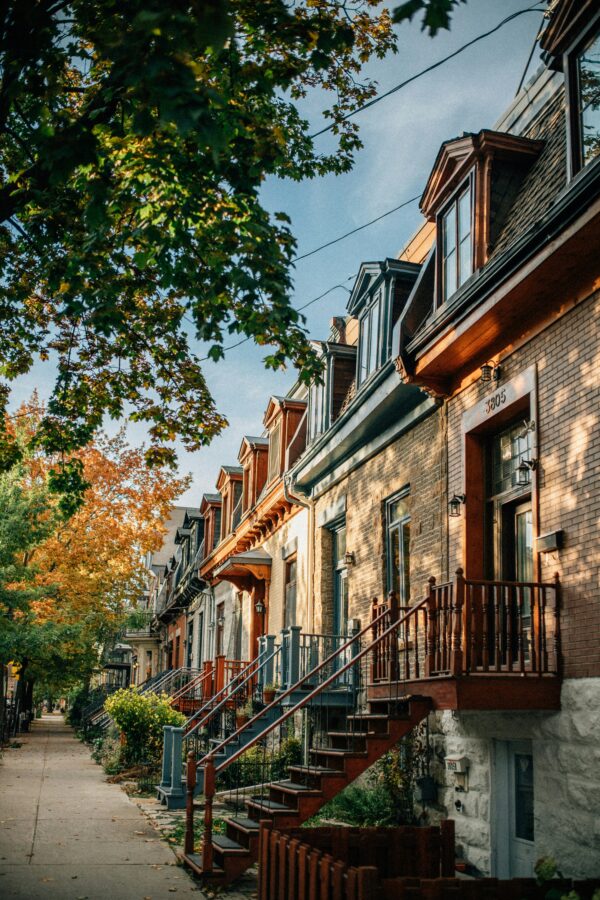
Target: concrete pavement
65, 834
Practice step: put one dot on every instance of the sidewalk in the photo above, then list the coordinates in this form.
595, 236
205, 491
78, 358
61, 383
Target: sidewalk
66, 834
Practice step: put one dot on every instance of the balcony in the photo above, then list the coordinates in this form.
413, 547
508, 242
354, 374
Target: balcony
474, 644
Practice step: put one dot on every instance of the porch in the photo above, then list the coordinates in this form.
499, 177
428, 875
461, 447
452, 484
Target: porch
473, 644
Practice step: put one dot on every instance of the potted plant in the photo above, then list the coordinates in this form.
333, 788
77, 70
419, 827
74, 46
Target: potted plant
269, 692
244, 713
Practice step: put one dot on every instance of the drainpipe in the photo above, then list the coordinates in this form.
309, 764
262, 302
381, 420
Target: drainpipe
288, 487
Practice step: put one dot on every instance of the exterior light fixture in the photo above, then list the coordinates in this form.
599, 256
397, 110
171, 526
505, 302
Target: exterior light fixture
490, 372
349, 558
259, 606
221, 620
454, 505
524, 469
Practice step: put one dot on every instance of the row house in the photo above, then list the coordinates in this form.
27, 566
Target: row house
447, 487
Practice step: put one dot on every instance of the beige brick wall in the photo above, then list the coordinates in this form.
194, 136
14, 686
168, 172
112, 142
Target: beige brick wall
416, 460
567, 359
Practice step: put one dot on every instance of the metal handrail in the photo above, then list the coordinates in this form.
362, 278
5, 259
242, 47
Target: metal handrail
226, 699
219, 694
317, 690
194, 683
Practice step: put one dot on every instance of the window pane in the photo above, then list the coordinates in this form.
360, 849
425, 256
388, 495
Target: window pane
405, 592
466, 260
589, 87
464, 215
524, 796
339, 545
394, 551
364, 338
449, 275
398, 509
374, 341
449, 227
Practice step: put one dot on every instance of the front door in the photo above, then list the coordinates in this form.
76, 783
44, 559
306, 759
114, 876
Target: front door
340, 581
514, 805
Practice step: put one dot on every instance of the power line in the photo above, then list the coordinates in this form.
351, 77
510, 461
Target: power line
354, 230
430, 68
299, 309
529, 58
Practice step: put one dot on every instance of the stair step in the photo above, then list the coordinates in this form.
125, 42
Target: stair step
227, 845
332, 751
291, 787
270, 808
194, 861
351, 734
249, 826
315, 770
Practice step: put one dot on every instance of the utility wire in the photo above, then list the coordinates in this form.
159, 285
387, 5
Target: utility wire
430, 68
354, 230
299, 309
529, 58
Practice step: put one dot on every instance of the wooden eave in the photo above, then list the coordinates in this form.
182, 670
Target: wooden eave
208, 503
251, 445
228, 474
540, 287
567, 20
277, 405
271, 510
456, 159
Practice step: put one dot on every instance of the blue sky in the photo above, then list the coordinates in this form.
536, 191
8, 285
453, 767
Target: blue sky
401, 137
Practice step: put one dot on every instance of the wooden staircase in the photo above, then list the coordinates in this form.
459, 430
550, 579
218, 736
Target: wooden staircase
294, 800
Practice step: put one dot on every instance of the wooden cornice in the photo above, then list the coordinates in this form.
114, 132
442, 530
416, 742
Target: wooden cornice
271, 511
568, 18
279, 404
457, 157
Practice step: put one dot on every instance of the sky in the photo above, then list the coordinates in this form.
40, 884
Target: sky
401, 136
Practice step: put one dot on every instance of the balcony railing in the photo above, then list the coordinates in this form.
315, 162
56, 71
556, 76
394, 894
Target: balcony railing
474, 626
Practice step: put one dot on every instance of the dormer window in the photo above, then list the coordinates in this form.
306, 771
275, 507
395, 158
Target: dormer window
468, 195
587, 101
457, 242
571, 42
369, 339
317, 410
274, 452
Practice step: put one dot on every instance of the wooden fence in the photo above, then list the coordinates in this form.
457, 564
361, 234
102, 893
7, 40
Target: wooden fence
337, 863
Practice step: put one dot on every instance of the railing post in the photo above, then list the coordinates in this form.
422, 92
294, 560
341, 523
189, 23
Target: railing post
190, 777
457, 629
294, 655
209, 793
393, 610
431, 627
219, 673
177, 761
167, 756
557, 606
266, 671
285, 682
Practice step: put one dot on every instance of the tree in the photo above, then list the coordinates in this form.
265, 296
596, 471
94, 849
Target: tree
66, 583
134, 139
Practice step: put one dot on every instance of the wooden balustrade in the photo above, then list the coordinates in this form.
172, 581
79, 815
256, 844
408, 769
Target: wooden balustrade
472, 626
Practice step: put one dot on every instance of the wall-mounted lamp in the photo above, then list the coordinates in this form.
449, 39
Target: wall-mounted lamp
490, 372
455, 504
260, 607
221, 621
349, 558
524, 469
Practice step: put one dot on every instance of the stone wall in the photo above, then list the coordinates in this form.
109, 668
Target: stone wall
566, 764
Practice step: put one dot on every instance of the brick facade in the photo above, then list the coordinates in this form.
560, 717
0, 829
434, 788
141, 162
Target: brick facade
567, 360
415, 460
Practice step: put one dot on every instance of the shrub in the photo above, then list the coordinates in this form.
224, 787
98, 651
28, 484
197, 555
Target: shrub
140, 719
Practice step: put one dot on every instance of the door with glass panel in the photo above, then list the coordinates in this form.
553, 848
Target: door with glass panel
514, 822
340, 593
509, 554
398, 547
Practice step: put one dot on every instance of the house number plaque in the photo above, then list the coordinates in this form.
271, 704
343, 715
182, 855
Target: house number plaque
496, 401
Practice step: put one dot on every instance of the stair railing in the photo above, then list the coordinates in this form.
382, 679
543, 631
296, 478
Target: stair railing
224, 716
282, 753
192, 688
203, 718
